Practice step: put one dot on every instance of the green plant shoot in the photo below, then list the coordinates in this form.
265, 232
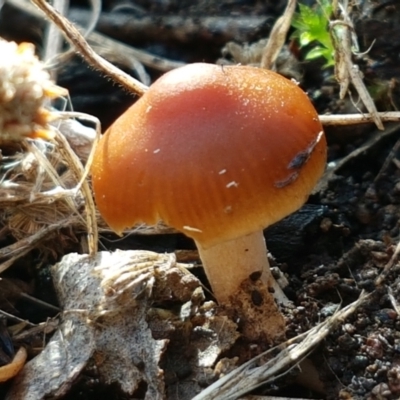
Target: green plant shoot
312, 26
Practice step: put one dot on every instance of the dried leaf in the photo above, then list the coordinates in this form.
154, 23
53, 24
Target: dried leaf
94, 325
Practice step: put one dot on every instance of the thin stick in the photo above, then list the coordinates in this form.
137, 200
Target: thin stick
16, 319
40, 302
355, 119
77, 40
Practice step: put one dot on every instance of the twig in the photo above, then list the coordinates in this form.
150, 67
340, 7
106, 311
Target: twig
355, 119
40, 302
16, 319
76, 39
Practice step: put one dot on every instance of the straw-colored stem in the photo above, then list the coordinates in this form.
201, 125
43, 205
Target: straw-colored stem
228, 264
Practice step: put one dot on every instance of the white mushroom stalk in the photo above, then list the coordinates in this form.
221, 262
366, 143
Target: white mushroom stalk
230, 263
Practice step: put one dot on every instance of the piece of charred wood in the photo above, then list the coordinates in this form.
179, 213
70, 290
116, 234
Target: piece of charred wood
181, 29
289, 237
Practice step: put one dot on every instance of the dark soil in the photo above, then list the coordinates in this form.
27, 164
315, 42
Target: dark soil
331, 250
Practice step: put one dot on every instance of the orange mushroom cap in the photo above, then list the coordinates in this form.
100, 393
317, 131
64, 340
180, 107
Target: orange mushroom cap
215, 152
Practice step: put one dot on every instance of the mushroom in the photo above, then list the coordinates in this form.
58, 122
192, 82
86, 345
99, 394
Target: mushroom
219, 153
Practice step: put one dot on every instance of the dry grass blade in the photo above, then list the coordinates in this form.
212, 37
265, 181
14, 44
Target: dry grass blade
266, 367
45, 166
277, 36
343, 38
76, 39
53, 39
394, 301
96, 12
381, 278
23, 246
81, 174
76, 167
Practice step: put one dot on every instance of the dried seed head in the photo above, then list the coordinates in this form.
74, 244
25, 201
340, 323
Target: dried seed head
25, 86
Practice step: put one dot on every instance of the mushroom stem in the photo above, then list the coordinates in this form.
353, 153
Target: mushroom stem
228, 264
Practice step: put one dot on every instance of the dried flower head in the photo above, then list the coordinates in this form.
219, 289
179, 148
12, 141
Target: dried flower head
25, 86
